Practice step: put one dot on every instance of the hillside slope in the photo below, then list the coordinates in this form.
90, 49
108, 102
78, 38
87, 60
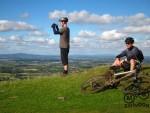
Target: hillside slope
57, 94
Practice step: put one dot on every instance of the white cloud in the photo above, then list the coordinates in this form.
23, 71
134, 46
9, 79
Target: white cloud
6, 25
51, 41
83, 38
15, 38
87, 17
2, 39
76, 40
146, 44
137, 29
56, 14
111, 35
82, 16
137, 16
37, 33
40, 40
137, 20
86, 34
115, 34
78, 43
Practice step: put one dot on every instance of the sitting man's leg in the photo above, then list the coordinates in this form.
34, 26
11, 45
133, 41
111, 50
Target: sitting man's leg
132, 64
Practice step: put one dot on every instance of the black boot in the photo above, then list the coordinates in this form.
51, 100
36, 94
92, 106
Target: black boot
65, 72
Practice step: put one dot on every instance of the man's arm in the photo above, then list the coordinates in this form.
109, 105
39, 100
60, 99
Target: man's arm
117, 61
122, 54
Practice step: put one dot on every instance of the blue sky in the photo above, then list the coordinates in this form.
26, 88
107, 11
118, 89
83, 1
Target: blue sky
97, 26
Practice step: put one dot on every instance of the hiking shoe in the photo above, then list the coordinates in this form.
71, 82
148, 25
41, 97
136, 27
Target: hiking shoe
114, 68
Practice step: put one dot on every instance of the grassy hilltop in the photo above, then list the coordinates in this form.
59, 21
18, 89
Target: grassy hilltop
57, 94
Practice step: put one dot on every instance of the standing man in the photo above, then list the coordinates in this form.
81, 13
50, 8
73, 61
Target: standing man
64, 33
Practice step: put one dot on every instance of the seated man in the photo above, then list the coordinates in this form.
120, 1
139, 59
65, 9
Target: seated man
133, 56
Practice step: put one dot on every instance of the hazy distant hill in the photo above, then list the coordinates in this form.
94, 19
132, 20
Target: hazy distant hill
102, 58
22, 56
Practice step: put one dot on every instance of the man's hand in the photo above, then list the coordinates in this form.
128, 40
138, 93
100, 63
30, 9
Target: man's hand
55, 28
54, 25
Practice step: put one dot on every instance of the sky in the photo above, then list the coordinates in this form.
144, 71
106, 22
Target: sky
97, 27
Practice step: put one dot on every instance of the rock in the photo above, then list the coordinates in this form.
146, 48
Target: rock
61, 98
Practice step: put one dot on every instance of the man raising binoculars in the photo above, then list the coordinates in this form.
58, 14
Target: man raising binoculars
64, 33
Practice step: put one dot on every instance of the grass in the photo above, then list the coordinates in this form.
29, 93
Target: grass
58, 94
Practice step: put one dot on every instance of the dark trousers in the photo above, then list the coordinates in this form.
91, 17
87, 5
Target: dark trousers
64, 55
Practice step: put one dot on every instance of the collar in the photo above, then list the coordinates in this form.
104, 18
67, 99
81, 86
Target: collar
130, 48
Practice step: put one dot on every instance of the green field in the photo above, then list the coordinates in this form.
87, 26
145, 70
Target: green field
56, 94
25, 69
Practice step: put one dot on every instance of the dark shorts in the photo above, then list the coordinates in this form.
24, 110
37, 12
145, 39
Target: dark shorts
64, 55
126, 66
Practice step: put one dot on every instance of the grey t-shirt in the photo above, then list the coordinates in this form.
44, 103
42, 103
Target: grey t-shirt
132, 53
64, 37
